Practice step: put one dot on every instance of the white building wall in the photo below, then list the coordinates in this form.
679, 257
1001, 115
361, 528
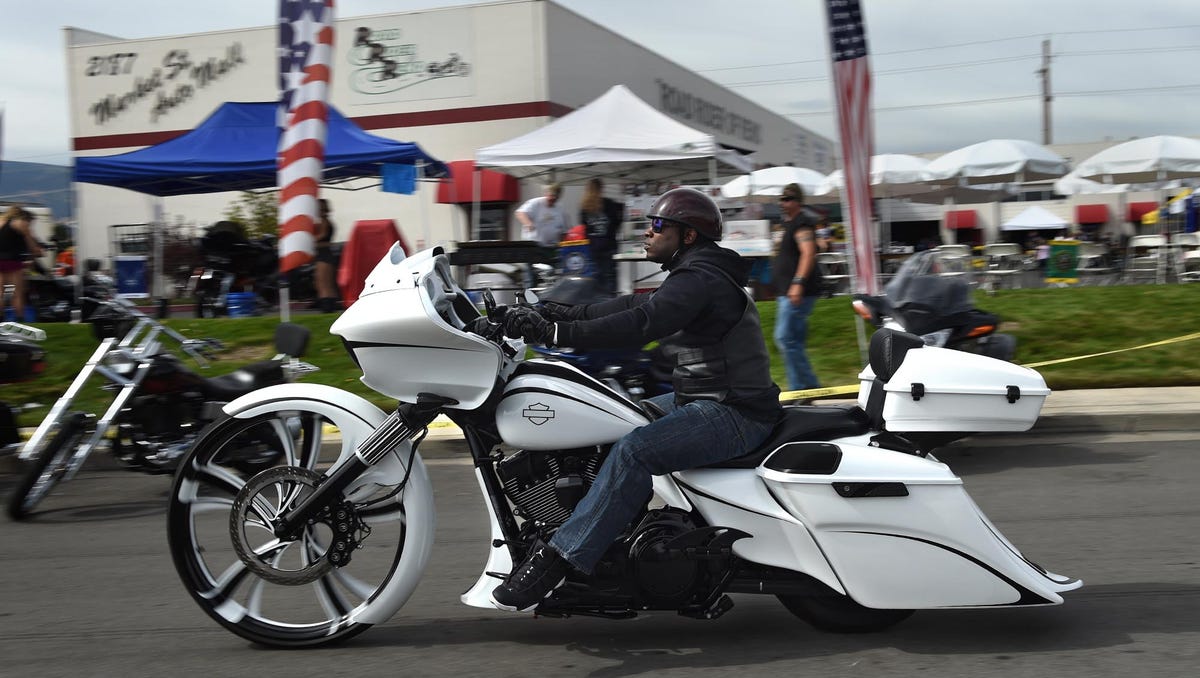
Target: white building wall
520, 62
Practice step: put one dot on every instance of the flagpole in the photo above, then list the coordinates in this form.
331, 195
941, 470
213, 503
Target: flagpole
305, 62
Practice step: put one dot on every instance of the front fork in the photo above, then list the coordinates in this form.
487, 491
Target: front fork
406, 422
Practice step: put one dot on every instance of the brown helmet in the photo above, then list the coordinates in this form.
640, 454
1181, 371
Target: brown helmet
691, 208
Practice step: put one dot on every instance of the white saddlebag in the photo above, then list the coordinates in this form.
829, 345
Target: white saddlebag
901, 532
939, 389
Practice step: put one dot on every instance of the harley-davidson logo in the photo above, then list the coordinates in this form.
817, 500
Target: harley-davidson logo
538, 413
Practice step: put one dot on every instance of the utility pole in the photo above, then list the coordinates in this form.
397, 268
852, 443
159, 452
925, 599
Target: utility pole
1044, 71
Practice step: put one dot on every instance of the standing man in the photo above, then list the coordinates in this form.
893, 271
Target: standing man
723, 406
797, 284
544, 221
603, 217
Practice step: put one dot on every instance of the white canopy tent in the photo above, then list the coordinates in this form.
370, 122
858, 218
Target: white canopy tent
1035, 219
618, 135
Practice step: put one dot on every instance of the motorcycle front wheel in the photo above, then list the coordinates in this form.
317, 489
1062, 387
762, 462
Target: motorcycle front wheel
287, 593
47, 467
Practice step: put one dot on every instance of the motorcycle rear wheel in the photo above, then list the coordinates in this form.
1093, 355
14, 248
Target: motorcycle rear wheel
47, 467
835, 613
339, 602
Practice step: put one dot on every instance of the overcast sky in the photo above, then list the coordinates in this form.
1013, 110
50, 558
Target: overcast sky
1120, 68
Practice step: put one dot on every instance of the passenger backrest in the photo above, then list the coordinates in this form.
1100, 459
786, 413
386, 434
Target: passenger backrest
291, 339
885, 354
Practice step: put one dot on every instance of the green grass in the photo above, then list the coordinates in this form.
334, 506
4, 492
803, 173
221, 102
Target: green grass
1048, 323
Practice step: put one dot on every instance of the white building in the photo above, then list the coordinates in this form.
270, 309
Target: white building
451, 80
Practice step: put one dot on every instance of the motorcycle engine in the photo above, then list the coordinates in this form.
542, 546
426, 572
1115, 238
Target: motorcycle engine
546, 486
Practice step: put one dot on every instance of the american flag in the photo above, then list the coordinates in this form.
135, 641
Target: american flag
852, 87
305, 56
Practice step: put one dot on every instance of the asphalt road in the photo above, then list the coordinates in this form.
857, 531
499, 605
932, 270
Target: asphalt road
88, 589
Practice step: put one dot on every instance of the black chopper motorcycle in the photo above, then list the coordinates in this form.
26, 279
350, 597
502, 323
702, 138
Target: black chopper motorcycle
159, 405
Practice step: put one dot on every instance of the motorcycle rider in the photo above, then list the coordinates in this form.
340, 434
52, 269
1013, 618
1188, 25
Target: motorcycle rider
724, 404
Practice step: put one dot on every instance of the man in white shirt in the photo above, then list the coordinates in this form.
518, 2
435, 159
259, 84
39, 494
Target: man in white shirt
543, 220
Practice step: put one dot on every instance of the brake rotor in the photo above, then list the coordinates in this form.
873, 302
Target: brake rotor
292, 484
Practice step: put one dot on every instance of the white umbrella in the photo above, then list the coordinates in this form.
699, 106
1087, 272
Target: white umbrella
1073, 184
998, 161
770, 182
1145, 160
892, 175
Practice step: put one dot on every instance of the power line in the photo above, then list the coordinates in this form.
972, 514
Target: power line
1022, 97
913, 69
956, 45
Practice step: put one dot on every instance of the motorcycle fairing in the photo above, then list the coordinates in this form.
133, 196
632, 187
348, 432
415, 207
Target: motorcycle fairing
416, 298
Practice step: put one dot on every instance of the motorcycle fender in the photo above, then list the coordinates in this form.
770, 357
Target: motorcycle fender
339, 405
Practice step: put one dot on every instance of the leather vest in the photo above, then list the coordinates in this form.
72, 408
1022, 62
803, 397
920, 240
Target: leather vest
735, 369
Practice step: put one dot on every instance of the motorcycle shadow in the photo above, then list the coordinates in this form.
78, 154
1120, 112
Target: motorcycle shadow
760, 632
94, 513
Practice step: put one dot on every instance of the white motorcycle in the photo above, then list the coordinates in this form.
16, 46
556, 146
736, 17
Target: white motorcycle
852, 527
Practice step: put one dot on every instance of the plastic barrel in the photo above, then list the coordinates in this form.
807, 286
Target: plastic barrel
241, 304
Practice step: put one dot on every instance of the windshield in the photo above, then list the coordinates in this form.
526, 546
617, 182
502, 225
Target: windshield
919, 283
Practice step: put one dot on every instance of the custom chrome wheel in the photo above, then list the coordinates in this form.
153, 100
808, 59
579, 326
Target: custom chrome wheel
354, 565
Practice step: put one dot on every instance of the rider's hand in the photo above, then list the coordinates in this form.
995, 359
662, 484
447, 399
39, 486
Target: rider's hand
524, 322
553, 311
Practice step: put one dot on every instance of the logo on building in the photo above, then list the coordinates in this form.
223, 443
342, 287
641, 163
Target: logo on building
383, 62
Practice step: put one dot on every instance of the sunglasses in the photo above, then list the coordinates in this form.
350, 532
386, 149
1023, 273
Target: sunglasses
657, 224
786, 198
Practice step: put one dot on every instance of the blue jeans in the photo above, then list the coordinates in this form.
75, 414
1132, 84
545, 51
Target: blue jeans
791, 333
699, 433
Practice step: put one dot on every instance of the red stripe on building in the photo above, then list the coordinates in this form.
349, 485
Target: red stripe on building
446, 116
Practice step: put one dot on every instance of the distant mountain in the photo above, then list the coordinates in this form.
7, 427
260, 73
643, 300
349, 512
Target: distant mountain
35, 182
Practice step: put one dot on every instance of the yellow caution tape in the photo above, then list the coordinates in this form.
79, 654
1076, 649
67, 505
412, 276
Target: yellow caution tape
811, 393
1186, 337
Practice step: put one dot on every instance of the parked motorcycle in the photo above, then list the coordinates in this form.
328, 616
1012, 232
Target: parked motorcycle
21, 357
233, 263
54, 295
937, 308
159, 405
850, 526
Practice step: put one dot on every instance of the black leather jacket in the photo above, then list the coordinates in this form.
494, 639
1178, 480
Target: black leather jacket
703, 318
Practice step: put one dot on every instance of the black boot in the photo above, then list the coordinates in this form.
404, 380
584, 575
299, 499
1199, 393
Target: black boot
543, 571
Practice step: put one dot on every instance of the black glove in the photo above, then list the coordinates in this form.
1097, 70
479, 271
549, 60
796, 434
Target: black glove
554, 311
524, 322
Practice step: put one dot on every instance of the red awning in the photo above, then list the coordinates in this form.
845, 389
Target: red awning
957, 219
1137, 209
1091, 214
460, 187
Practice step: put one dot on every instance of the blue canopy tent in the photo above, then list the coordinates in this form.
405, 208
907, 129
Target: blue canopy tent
234, 149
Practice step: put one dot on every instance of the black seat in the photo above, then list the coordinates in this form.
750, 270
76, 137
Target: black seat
804, 422
244, 380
